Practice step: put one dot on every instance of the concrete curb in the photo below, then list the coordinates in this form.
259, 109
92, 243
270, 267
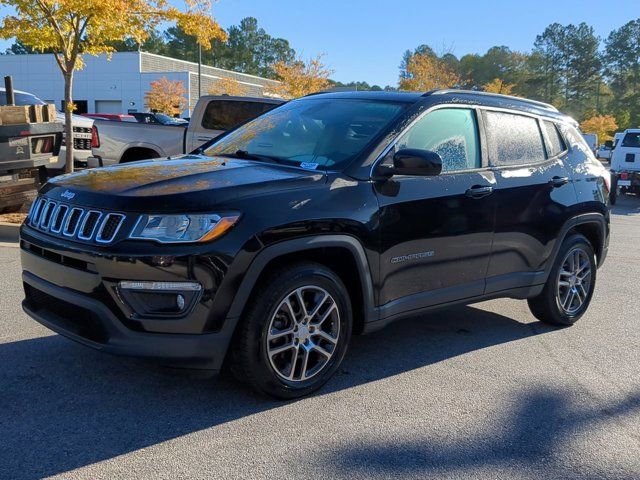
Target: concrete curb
9, 232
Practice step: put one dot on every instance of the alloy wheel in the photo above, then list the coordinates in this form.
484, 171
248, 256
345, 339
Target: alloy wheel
303, 333
574, 281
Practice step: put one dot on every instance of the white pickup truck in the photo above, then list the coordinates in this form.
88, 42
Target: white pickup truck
625, 165
120, 142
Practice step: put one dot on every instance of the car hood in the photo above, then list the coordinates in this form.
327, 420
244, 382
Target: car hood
76, 120
170, 184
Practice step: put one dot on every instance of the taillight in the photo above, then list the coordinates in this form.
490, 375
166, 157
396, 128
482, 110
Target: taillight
95, 138
607, 180
624, 176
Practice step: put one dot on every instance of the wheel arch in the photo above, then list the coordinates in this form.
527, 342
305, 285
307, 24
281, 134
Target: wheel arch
337, 252
140, 152
593, 226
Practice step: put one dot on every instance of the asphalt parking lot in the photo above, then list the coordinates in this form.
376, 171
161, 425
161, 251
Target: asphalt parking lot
483, 391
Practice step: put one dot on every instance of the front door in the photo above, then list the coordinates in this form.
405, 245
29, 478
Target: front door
436, 231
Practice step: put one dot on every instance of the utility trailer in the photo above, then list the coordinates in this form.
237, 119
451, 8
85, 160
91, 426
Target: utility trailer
30, 137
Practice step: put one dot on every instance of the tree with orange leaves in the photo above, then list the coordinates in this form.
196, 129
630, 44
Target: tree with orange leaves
300, 78
72, 28
228, 86
498, 85
166, 96
425, 72
601, 125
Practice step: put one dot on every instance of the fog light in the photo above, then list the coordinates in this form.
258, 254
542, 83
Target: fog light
159, 299
180, 302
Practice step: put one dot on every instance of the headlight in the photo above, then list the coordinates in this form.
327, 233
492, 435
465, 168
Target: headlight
186, 228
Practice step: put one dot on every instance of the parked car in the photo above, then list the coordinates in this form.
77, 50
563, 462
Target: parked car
159, 119
82, 131
331, 215
115, 117
592, 141
604, 150
625, 165
212, 115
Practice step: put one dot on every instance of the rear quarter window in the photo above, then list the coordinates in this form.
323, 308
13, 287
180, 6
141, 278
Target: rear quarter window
513, 139
226, 114
555, 143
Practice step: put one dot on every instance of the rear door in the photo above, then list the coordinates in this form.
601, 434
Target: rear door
221, 115
436, 231
533, 193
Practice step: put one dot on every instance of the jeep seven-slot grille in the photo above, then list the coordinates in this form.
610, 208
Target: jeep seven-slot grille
57, 218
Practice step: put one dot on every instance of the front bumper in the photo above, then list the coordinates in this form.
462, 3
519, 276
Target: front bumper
91, 323
74, 294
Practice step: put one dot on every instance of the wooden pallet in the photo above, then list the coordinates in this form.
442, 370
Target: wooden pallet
17, 114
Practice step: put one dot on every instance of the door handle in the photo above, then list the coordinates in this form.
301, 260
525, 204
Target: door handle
203, 139
478, 192
558, 181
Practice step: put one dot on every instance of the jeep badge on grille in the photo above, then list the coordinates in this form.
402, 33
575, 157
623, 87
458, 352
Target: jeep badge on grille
67, 194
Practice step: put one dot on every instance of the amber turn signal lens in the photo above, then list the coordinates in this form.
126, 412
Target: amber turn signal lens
221, 227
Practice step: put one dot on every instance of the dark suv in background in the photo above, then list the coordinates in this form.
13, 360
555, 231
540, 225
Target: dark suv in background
334, 214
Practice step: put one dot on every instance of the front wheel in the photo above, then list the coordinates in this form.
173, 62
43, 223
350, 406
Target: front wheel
295, 332
569, 288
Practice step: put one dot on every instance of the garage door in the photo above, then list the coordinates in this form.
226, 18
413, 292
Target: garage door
108, 106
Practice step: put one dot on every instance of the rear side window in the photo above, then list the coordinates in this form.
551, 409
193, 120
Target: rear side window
631, 140
555, 141
226, 114
450, 132
513, 139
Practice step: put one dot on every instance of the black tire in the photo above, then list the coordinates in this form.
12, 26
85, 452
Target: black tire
547, 307
249, 358
613, 194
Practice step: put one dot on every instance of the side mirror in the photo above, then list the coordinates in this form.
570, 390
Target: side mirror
412, 161
609, 144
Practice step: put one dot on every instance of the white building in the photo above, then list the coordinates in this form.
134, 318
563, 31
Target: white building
117, 85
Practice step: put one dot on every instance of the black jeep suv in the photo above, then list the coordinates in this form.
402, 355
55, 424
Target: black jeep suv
333, 214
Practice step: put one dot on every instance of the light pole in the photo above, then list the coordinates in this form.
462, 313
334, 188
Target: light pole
199, 70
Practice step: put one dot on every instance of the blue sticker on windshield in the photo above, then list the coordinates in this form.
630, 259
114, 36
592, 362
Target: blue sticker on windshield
309, 165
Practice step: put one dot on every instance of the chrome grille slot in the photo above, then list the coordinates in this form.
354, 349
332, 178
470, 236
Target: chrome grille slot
72, 222
81, 224
36, 211
47, 211
109, 227
88, 225
58, 218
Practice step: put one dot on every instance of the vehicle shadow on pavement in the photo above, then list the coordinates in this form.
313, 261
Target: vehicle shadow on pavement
63, 406
626, 205
537, 437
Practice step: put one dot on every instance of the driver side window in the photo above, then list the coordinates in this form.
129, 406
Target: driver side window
450, 132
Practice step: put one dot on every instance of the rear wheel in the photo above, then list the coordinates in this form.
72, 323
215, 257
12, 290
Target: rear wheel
295, 332
569, 288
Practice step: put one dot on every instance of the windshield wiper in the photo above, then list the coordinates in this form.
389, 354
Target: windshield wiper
245, 155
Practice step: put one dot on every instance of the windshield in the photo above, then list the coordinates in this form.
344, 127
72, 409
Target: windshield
166, 119
314, 132
21, 99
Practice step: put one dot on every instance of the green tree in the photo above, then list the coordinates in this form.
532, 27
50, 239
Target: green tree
548, 62
248, 49
408, 54
622, 57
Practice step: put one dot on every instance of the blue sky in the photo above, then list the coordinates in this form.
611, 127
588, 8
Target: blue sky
365, 40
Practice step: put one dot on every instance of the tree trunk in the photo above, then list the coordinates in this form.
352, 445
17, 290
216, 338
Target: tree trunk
68, 126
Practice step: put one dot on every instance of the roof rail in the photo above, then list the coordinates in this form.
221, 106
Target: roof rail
488, 94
